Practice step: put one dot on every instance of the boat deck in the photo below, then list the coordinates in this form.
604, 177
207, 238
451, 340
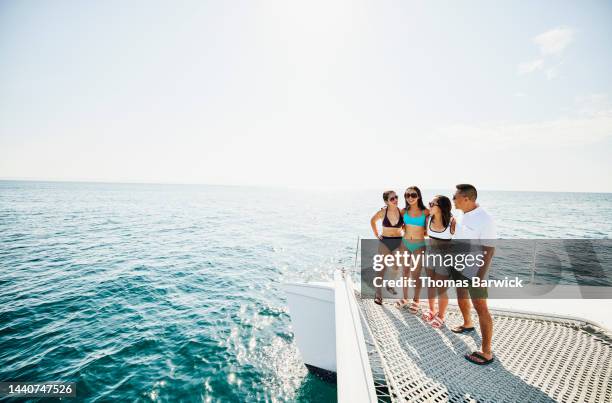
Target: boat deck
538, 358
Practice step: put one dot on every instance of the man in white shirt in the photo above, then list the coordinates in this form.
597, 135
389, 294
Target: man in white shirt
478, 230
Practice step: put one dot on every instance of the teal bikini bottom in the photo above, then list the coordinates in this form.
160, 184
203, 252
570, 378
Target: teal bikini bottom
413, 245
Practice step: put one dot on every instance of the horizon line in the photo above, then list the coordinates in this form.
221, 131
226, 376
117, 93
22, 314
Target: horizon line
290, 187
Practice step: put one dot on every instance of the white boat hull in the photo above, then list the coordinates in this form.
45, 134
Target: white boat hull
328, 333
311, 306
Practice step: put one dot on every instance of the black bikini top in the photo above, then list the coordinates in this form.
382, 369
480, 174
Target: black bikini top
387, 223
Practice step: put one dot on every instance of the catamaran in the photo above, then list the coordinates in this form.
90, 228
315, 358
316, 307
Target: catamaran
546, 350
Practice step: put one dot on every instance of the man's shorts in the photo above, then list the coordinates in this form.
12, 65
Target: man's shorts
475, 292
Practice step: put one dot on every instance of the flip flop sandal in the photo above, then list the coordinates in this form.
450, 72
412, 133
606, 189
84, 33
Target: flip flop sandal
413, 308
470, 358
401, 303
461, 329
378, 300
437, 322
427, 316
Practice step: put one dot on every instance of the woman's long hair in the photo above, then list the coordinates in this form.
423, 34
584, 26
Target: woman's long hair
445, 206
419, 201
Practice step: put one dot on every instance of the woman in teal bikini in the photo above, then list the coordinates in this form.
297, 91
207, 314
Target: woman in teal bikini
414, 216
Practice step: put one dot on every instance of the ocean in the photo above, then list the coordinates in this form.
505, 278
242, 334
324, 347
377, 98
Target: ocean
141, 292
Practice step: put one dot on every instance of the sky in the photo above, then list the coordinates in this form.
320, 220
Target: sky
318, 94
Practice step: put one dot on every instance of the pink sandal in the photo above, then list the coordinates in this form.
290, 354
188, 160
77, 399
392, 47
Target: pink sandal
437, 322
427, 316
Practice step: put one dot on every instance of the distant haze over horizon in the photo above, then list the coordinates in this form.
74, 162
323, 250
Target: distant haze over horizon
347, 94
398, 189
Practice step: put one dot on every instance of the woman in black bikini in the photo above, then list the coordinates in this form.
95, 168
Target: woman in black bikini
391, 238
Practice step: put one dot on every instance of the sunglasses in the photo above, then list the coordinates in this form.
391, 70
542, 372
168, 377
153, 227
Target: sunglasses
432, 204
393, 198
412, 195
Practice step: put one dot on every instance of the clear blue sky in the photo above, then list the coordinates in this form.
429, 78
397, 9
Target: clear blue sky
506, 95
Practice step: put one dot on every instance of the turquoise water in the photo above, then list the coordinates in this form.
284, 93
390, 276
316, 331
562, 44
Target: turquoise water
172, 292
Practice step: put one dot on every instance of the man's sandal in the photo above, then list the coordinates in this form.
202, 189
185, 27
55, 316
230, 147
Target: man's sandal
461, 329
478, 358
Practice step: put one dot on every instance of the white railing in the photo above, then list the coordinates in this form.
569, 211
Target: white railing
354, 375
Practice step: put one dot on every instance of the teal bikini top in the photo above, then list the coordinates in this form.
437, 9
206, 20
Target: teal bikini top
417, 221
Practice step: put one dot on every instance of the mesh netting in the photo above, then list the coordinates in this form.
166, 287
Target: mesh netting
538, 358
